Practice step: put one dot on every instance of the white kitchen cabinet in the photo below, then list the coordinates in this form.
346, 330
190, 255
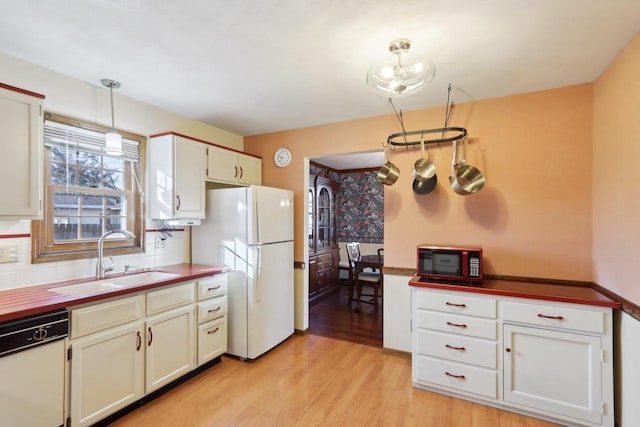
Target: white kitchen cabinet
548, 359
212, 317
558, 372
21, 164
231, 167
127, 347
107, 367
170, 348
454, 343
176, 169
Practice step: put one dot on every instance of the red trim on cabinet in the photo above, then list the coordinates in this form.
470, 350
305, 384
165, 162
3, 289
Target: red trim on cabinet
204, 142
19, 90
14, 236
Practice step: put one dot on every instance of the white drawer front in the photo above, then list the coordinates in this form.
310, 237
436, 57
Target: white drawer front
171, 297
99, 317
212, 309
554, 316
458, 348
209, 287
458, 303
463, 325
453, 375
212, 340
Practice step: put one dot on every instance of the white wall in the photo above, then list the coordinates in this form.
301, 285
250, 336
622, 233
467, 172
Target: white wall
627, 374
90, 102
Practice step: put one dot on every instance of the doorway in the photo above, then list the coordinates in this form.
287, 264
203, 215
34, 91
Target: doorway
343, 205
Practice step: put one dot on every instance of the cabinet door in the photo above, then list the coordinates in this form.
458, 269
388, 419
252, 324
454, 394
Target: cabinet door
222, 165
170, 346
557, 372
189, 178
107, 373
250, 170
22, 154
212, 340
313, 275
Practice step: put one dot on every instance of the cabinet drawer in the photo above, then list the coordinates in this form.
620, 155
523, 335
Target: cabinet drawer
99, 317
324, 265
554, 316
209, 287
458, 348
171, 297
211, 309
457, 376
463, 325
457, 303
324, 258
212, 340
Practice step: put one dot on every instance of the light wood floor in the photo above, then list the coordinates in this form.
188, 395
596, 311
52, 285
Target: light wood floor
315, 381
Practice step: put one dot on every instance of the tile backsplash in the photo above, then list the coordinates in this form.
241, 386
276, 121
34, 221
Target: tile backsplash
22, 273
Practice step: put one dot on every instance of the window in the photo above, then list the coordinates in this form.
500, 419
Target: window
88, 193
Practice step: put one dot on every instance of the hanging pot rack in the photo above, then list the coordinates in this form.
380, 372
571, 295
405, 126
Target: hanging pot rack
461, 133
406, 142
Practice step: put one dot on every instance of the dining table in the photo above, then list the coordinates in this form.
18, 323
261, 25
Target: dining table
374, 262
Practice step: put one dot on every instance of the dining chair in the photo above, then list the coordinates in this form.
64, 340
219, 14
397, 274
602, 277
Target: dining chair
362, 279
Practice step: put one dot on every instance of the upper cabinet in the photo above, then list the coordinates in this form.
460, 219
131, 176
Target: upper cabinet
231, 167
176, 177
21, 124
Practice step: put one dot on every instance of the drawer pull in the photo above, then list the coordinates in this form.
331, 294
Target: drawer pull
150, 340
544, 316
455, 348
450, 304
213, 331
457, 325
215, 310
214, 288
460, 377
138, 341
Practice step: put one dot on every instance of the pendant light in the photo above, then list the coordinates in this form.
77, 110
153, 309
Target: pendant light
113, 143
406, 75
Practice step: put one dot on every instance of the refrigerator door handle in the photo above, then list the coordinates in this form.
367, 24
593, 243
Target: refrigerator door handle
256, 281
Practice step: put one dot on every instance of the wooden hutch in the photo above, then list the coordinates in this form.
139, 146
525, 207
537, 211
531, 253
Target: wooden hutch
324, 255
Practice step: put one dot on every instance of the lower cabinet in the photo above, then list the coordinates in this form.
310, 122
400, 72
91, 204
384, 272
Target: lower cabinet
551, 360
122, 349
170, 347
107, 366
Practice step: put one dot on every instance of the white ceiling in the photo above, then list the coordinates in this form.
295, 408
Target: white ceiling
257, 66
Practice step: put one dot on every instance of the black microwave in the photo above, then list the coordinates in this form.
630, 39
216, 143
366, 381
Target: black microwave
451, 263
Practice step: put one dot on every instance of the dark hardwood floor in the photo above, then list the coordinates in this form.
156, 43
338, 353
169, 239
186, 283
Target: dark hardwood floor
330, 316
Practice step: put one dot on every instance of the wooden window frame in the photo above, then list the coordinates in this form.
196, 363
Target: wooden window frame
43, 247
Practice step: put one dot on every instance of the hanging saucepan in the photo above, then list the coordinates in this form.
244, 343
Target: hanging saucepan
464, 179
388, 173
424, 173
423, 169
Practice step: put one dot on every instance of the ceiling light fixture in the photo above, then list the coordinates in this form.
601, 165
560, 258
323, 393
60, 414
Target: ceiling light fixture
406, 76
113, 143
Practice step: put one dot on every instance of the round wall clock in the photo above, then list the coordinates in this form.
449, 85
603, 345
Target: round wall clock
282, 157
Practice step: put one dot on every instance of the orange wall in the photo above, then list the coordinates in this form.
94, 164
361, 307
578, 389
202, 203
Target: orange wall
534, 215
616, 172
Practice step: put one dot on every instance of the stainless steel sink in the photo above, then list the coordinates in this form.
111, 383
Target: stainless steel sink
96, 286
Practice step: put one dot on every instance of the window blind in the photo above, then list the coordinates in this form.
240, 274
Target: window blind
63, 135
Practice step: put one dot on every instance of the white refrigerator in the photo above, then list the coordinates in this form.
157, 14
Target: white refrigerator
249, 230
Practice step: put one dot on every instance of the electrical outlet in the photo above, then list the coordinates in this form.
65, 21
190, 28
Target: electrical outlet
8, 253
160, 242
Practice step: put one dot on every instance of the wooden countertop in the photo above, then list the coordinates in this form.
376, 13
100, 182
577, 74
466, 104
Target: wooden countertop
549, 291
27, 301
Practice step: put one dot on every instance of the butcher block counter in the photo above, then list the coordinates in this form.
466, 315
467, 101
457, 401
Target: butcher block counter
541, 290
27, 301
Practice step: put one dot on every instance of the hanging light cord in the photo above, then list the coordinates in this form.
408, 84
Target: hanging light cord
113, 125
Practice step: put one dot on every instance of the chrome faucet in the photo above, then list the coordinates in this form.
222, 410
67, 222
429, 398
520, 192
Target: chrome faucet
101, 266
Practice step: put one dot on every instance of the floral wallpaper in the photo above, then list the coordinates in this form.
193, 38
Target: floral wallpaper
359, 206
